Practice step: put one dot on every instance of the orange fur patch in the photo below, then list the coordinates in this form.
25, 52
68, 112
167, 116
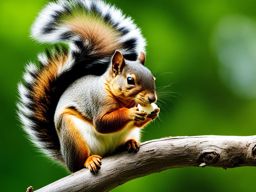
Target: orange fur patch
77, 114
89, 27
113, 121
48, 73
80, 143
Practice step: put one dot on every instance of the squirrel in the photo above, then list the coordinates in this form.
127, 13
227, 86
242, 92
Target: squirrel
80, 102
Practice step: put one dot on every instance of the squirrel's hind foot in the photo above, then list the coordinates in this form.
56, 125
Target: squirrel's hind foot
93, 163
132, 146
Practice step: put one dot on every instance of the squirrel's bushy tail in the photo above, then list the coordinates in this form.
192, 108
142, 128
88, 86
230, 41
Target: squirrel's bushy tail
93, 30
38, 97
92, 25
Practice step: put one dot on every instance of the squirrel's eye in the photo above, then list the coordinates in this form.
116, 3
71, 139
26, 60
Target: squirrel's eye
130, 81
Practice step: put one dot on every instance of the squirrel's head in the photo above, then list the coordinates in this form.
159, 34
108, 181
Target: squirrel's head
131, 80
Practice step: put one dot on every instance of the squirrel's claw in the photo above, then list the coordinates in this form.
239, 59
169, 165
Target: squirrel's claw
132, 146
93, 163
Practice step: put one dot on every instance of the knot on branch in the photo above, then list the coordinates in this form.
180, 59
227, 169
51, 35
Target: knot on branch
208, 158
254, 151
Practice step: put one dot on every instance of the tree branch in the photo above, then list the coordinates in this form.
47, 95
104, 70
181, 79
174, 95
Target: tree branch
161, 154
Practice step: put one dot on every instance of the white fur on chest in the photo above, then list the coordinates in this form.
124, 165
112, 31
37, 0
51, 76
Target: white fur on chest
101, 144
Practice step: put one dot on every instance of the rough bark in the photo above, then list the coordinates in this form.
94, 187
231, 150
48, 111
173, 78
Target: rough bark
161, 154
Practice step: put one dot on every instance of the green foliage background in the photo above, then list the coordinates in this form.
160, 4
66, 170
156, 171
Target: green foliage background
190, 52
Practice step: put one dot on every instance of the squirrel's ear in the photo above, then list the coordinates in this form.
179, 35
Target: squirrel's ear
117, 62
142, 58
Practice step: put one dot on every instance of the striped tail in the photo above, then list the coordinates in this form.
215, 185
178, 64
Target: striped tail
38, 97
90, 25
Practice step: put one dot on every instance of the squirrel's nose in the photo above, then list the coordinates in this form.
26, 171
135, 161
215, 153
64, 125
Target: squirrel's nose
151, 98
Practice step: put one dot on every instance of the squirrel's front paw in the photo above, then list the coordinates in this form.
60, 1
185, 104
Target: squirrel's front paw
93, 163
137, 115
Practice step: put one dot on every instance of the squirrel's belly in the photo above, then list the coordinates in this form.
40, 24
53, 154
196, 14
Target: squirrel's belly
101, 144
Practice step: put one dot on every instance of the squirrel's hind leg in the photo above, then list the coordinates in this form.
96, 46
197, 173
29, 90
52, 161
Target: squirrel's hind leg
74, 149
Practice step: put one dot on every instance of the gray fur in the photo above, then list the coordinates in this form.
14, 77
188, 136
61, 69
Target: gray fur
84, 94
